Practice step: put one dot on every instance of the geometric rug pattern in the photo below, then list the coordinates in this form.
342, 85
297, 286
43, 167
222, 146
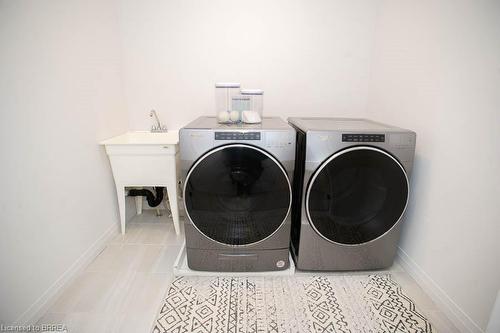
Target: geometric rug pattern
319, 304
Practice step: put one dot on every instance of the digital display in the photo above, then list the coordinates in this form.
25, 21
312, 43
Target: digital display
237, 135
363, 137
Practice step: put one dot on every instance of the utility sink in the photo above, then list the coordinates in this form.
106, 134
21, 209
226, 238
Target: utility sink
144, 138
145, 159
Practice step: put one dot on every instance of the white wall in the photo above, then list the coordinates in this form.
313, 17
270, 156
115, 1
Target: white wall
436, 70
59, 95
310, 57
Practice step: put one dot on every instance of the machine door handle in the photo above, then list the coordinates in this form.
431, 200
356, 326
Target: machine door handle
230, 256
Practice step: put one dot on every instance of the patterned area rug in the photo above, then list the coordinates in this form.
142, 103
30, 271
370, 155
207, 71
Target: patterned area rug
360, 303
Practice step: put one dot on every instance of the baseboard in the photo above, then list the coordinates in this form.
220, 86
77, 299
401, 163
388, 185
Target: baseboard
43, 303
461, 320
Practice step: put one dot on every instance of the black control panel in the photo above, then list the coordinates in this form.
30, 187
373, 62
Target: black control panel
237, 135
363, 137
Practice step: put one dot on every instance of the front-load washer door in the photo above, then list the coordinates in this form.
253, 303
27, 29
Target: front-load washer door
357, 195
237, 194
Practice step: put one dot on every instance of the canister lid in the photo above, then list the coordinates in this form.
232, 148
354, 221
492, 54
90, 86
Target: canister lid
227, 85
240, 98
252, 92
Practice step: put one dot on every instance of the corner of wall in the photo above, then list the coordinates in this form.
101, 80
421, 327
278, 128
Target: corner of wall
463, 322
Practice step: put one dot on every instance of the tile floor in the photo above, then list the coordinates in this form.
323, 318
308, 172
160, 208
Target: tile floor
122, 289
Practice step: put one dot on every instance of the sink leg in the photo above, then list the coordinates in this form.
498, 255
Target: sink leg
120, 191
174, 207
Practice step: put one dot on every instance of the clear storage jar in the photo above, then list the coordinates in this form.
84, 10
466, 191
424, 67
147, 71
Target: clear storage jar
239, 103
224, 93
255, 106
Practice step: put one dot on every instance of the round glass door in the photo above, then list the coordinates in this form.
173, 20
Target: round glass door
357, 195
237, 194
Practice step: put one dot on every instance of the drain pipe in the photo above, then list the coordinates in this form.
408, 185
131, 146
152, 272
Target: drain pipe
153, 201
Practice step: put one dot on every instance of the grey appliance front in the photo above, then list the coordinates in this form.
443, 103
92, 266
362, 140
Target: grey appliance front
351, 190
237, 195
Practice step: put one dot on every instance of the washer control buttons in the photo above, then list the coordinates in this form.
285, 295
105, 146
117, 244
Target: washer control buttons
363, 137
237, 135
280, 263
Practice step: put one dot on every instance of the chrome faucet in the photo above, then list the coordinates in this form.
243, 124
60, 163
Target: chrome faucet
158, 127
